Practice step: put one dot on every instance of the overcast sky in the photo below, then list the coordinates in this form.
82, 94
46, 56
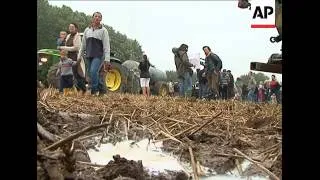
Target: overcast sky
160, 25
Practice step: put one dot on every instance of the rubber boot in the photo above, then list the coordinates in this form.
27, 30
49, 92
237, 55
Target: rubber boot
65, 92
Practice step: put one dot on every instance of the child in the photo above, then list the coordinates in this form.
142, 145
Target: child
65, 68
61, 41
261, 93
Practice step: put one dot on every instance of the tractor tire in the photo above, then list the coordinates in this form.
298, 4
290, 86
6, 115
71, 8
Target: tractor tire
52, 79
116, 78
161, 88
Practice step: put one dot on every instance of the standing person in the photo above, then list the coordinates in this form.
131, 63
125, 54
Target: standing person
203, 83
231, 93
261, 93
144, 66
61, 41
65, 71
238, 89
213, 67
96, 44
252, 88
244, 89
171, 88
183, 68
224, 82
275, 88
73, 42
266, 86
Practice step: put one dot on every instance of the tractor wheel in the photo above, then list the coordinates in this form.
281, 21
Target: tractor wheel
116, 78
53, 80
161, 88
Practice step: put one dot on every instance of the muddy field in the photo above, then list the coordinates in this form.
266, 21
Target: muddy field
215, 130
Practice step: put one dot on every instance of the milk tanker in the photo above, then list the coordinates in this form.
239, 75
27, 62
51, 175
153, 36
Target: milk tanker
158, 85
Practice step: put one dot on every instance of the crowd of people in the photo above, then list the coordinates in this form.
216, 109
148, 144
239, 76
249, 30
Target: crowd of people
217, 83
213, 82
267, 91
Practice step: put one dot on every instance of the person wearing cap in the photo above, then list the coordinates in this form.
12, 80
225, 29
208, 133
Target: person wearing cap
183, 68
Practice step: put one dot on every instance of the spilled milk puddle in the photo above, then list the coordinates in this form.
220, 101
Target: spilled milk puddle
155, 160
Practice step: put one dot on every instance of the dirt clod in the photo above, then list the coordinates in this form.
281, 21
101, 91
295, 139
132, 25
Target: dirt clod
123, 167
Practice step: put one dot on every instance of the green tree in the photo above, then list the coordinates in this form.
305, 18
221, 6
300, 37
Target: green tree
259, 77
172, 76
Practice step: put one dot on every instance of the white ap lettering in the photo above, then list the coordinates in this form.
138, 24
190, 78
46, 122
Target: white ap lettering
268, 10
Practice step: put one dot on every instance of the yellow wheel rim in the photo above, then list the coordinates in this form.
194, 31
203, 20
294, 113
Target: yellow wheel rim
113, 80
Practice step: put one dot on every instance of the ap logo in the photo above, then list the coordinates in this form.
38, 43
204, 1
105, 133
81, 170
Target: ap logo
263, 13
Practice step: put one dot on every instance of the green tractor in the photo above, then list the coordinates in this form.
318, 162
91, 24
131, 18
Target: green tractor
48, 60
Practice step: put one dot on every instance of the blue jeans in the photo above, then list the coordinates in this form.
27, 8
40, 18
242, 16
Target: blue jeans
97, 82
251, 96
185, 85
203, 90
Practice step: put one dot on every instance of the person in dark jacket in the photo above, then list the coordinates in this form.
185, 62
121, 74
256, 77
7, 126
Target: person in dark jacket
145, 75
245, 91
231, 93
213, 67
203, 83
224, 81
183, 68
